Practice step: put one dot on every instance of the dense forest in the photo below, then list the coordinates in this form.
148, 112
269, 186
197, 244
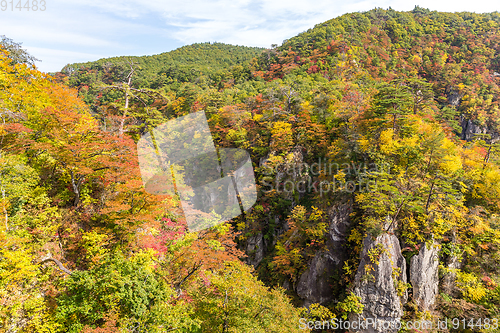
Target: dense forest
374, 139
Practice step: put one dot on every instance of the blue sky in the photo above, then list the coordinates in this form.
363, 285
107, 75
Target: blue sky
86, 30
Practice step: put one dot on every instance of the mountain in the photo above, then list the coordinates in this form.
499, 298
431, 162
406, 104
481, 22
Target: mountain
374, 144
183, 64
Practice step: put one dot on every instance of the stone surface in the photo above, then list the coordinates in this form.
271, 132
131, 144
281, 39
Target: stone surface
449, 280
424, 276
375, 284
255, 249
470, 129
315, 284
454, 97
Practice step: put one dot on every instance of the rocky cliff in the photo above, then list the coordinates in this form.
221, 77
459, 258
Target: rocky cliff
315, 284
424, 276
381, 284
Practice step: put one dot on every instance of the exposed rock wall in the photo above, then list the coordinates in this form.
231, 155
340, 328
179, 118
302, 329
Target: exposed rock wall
424, 276
449, 280
255, 249
376, 283
454, 97
314, 285
470, 129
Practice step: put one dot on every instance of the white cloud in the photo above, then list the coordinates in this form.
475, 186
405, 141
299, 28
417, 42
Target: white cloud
53, 58
88, 28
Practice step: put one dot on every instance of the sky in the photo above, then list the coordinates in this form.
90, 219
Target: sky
70, 31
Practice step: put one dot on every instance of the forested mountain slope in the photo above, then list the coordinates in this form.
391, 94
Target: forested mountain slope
374, 142
185, 64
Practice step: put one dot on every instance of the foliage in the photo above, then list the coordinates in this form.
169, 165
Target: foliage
395, 114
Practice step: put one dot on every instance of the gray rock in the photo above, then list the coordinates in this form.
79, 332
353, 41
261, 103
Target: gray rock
376, 284
454, 97
314, 285
424, 276
255, 249
470, 129
449, 280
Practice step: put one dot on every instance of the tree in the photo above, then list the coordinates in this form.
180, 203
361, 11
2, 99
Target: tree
140, 95
233, 300
130, 287
392, 99
16, 53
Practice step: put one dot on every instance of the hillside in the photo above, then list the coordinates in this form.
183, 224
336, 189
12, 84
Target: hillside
374, 143
184, 64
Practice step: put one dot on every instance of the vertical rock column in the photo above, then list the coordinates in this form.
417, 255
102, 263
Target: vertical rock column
424, 276
381, 271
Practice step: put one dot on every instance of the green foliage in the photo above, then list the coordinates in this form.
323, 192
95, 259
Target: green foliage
351, 304
129, 286
382, 97
232, 300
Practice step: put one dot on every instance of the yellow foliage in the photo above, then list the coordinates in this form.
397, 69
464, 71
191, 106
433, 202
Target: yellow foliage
470, 285
355, 237
451, 164
257, 117
94, 243
412, 230
387, 145
364, 143
281, 135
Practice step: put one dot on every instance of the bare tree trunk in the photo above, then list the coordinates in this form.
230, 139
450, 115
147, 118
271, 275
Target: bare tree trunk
76, 184
57, 262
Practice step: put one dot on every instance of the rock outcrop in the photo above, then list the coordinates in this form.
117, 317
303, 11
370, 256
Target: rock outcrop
424, 276
315, 284
255, 249
470, 129
380, 283
449, 280
454, 97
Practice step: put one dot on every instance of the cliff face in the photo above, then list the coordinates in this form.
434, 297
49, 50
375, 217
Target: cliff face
470, 129
315, 284
380, 283
255, 249
424, 276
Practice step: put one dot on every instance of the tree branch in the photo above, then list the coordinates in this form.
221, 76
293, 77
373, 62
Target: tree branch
57, 262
